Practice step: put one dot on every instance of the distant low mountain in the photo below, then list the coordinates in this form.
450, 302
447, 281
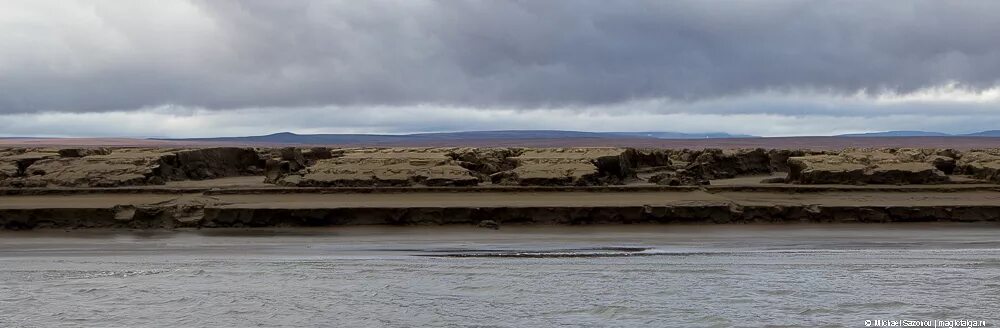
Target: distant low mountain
897, 134
292, 138
678, 135
991, 133
513, 134
520, 136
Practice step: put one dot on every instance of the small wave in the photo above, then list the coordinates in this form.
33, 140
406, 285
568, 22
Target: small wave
816, 311
123, 274
560, 253
625, 252
615, 251
476, 288
606, 311
874, 305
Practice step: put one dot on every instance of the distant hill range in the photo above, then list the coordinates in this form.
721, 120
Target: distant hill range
991, 133
555, 137
292, 138
542, 138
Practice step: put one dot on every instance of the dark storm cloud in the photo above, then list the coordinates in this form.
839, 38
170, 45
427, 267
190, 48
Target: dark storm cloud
125, 55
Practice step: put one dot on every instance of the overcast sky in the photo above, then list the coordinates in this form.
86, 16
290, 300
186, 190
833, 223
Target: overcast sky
773, 68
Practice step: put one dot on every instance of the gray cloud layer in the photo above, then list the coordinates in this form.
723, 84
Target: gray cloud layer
94, 56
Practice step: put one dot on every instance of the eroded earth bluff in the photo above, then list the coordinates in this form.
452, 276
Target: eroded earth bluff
464, 167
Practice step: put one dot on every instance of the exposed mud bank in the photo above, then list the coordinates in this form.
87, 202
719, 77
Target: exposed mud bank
157, 217
766, 188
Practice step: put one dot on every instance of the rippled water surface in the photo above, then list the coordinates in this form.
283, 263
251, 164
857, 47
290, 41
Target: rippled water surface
623, 276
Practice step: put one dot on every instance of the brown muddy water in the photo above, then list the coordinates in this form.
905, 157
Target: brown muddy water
595, 276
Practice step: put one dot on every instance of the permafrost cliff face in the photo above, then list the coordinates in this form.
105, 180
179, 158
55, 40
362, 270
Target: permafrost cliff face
146, 187
374, 167
103, 167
